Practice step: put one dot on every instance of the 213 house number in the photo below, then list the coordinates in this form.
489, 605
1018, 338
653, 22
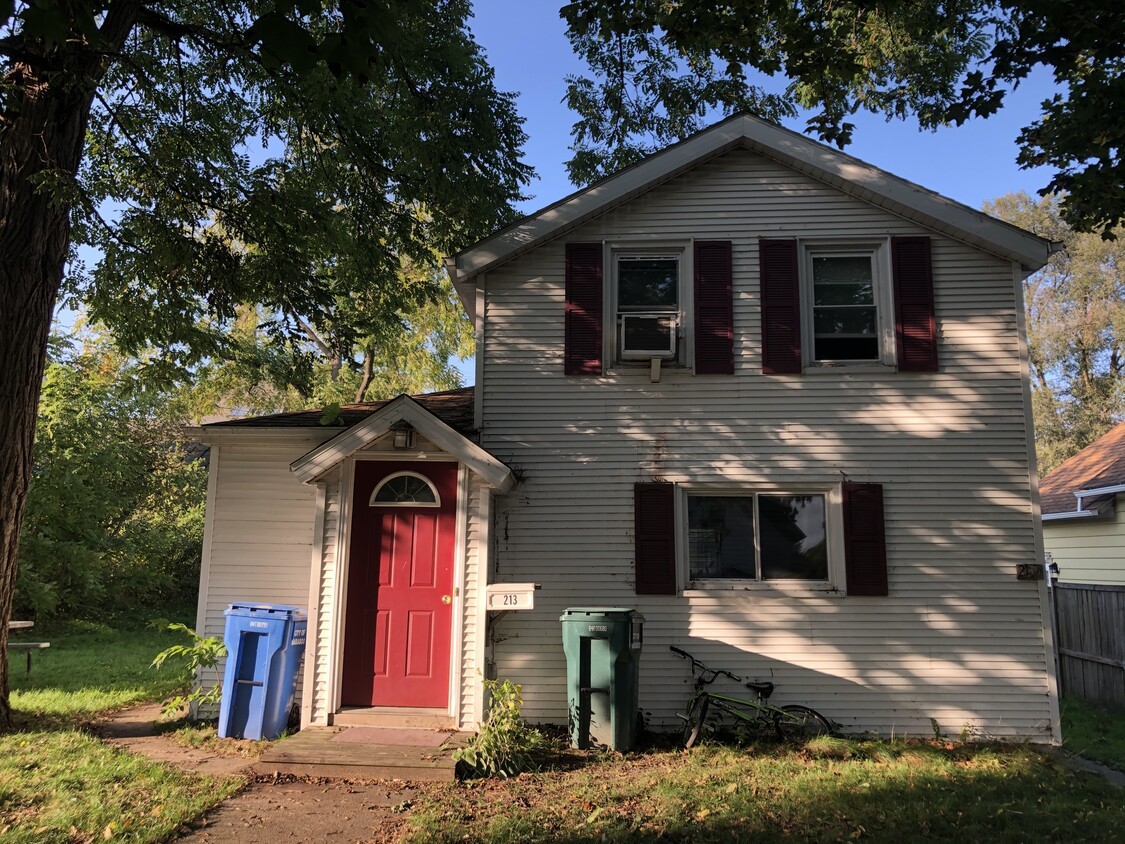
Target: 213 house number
511, 596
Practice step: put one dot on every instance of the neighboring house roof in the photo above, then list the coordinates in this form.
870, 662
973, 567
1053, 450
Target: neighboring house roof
840, 170
453, 407
1097, 469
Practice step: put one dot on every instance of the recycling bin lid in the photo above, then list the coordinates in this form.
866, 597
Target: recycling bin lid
257, 608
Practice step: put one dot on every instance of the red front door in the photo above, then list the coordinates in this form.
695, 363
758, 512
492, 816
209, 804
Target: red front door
398, 626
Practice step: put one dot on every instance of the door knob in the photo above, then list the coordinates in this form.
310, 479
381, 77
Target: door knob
447, 599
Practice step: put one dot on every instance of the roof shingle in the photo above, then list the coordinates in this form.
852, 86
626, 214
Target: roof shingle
453, 407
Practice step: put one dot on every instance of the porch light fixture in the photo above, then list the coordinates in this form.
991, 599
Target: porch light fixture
403, 436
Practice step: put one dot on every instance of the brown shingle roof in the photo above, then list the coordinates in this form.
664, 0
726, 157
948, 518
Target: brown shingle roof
1101, 463
453, 407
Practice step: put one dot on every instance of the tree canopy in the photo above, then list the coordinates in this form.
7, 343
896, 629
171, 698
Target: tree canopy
658, 68
287, 158
115, 511
1075, 309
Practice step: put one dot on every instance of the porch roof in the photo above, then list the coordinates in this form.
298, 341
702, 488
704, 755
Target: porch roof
413, 412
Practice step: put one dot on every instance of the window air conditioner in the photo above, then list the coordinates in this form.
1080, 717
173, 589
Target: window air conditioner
645, 336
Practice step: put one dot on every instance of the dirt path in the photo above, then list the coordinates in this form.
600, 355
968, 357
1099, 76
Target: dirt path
134, 730
268, 810
307, 811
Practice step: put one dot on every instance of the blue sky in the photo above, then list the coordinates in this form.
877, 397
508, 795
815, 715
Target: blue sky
526, 43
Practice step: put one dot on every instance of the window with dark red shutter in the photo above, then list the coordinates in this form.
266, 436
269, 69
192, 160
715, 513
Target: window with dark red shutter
781, 306
865, 547
714, 308
654, 519
583, 318
915, 324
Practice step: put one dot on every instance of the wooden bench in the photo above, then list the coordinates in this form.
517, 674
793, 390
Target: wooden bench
29, 647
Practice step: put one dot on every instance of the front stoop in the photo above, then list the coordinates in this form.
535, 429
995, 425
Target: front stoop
366, 754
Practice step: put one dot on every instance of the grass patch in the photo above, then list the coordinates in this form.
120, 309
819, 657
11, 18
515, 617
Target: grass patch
67, 786
881, 791
1093, 732
58, 783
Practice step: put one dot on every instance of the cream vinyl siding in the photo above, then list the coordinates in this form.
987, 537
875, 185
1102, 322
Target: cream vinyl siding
1089, 550
959, 640
262, 523
472, 640
327, 584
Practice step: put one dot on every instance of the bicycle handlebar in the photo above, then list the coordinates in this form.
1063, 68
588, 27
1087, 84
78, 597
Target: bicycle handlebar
703, 667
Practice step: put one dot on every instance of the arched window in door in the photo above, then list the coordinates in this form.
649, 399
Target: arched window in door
405, 489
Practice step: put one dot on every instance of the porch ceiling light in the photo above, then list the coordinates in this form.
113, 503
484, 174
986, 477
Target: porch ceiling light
403, 436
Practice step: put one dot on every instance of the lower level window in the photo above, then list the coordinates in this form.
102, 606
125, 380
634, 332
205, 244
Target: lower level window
757, 537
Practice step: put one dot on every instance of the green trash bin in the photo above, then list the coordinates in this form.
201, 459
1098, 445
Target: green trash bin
603, 654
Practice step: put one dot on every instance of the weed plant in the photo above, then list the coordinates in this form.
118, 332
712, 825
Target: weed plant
505, 745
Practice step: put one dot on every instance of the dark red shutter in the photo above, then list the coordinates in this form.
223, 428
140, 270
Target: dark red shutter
583, 319
714, 308
915, 325
654, 518
781, 307
865, 544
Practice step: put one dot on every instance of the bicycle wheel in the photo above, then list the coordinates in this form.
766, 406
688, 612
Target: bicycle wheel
697, 714
799, 723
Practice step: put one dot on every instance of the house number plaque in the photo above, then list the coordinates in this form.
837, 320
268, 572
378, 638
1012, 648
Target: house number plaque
510, 596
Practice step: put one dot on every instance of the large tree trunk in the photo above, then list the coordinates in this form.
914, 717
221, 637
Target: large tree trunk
42, 131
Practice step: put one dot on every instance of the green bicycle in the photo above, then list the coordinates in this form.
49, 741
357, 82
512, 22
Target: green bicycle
708, 711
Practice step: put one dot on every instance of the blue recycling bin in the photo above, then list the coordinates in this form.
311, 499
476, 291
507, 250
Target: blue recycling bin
265, 643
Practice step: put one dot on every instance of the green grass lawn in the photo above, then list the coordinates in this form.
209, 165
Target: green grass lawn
833, 790
89, 668
59, 783
1093, 732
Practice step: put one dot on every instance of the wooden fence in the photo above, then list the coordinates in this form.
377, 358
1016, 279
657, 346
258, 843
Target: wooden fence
1090, 641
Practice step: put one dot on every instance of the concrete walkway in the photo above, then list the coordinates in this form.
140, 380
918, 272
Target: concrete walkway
1080, 763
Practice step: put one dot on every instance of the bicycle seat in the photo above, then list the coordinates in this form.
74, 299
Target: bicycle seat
763, 689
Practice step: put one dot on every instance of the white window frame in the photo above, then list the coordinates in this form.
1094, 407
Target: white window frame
371, 502
658, 248
879, 252
834, 527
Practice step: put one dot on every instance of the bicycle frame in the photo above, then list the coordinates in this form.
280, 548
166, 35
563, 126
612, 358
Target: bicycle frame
783, 720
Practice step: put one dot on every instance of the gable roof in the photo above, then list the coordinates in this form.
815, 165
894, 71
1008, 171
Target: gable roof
792, 149
453, 407
312, 466
1097, 469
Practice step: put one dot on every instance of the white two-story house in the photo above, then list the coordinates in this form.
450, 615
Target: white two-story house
772, 397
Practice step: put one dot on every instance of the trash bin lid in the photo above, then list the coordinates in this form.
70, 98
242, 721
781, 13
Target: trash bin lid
256, 608
587, 613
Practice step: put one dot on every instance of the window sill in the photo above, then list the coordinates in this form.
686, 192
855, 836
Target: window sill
837, 368
644, 368
792, 588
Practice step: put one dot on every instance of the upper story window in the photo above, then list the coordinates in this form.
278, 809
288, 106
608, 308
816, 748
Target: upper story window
847, 306
635, 303
405, 489
648, 306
